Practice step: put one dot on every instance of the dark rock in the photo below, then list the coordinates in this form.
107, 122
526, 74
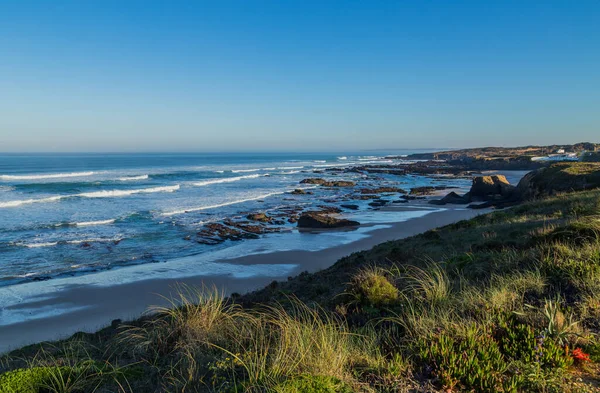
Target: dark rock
299, 191
329, 209
400, 201
321, 221
380, 190
262, 217
339, 183
223, 232
364, 197
313, 180
453, 198
351, 207
427, 190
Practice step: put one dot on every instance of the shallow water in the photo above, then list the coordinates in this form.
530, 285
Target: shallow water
80, 214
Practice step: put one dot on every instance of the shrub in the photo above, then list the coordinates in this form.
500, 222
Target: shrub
312, 384
472, 360
372, 287
37, 379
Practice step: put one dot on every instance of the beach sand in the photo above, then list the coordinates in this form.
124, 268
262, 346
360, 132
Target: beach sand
94, 307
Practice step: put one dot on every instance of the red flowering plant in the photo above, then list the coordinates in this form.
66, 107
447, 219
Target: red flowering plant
579, 356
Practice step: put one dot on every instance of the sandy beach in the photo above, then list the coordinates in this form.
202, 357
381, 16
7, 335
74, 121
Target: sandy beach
93, 307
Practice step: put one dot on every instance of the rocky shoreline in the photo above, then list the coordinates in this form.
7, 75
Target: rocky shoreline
372, 191
341, 198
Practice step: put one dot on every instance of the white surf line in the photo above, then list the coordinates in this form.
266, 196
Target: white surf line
133, 178
226, 180
195, 209
45, 176
95, 194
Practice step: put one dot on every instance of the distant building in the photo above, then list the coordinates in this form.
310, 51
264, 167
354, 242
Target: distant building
560, 151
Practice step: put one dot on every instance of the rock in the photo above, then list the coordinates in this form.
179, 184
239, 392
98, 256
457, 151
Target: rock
487, 187
560, 177
329, 209
299, 191
364, 197
214, 231
351, 207
325, 183
453, 198
262, 217
427, 190
313, 180
400, 201
380, 190
339, 183
321, 221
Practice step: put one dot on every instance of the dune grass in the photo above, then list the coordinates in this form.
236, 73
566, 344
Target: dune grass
506, 302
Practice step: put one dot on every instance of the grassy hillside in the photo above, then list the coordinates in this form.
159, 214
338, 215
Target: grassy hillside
506, 302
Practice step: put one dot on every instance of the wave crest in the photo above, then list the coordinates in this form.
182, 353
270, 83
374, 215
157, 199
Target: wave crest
133, 178
225, 180
45, 176
195, 209
95, 194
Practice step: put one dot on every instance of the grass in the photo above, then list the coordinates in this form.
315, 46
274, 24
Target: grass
506, 302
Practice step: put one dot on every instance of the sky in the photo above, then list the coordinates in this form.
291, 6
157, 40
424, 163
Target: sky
291, 75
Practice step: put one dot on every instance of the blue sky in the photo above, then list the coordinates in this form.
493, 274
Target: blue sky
296, 75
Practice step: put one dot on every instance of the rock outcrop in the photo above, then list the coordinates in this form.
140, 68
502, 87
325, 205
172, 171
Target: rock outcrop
382, 190
491, 187
326, 183
319, 220
560, 177
261, 217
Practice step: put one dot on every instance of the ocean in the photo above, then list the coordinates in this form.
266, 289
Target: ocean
77, 214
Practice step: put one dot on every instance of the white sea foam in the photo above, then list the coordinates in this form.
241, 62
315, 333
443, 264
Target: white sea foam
245, 170
252, 170
134, 178
226, 180
117, 193
78, 241
289, 172
342, 158
93, 223
330, 165
29, 201
96, 194
367, 158
320, 161
195, 209
45, 176
290, 167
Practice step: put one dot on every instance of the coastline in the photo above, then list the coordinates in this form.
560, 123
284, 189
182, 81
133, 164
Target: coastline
93, 307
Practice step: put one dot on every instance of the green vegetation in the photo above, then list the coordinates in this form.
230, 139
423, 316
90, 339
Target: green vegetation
506, 302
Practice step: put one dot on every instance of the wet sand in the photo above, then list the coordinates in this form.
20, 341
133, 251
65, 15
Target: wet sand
94, 307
